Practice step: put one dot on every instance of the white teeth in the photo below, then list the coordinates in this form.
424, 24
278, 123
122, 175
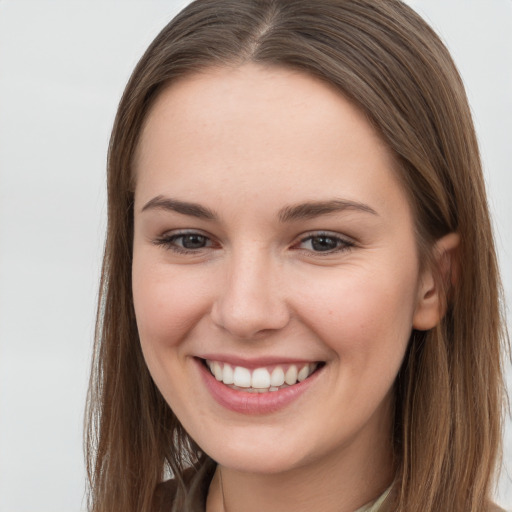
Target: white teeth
277, 377
217, 370
303, 374
227, 375
260, 378
291, 375
242, 377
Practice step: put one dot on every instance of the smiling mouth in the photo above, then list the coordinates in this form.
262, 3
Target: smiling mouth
261, 380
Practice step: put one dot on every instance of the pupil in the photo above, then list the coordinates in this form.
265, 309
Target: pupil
323, 243
194, 241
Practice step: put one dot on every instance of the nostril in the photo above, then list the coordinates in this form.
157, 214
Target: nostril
247, 318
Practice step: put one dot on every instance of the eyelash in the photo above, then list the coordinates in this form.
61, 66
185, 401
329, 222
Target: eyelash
342, 244
169, 242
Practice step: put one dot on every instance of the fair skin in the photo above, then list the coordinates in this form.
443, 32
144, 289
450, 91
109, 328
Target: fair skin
271, 231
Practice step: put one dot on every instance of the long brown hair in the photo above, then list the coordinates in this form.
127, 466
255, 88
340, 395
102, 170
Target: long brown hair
449, 392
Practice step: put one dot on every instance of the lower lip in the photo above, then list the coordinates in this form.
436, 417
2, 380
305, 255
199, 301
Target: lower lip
254, 403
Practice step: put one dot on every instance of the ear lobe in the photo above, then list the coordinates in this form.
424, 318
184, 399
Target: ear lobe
435, 283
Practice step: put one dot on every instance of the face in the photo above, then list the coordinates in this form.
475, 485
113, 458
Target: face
275, 272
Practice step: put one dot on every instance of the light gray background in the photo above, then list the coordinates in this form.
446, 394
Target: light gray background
63, 66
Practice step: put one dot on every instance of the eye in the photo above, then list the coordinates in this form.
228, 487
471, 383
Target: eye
325, 243
185, 242
191, 241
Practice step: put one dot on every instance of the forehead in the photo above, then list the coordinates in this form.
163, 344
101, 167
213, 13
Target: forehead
261, 126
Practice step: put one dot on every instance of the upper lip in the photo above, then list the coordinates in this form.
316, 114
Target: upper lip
256, 362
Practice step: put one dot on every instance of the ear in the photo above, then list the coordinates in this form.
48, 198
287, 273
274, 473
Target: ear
435, 282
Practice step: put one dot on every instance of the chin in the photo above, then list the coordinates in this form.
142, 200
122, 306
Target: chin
257, 461
258, 452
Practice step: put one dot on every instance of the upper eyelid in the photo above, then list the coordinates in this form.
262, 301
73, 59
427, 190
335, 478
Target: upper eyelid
304, 235
326, 233
183, 232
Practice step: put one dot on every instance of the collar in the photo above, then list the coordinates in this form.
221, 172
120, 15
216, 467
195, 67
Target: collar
374, 506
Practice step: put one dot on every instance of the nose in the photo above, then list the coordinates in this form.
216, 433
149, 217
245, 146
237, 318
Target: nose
250, 301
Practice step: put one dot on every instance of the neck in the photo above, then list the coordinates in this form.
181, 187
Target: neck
343, 481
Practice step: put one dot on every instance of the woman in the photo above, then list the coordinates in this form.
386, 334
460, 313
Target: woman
300, 296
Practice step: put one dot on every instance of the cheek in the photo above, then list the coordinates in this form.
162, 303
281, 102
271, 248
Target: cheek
168, 303
168, 306
363, 316
366, 322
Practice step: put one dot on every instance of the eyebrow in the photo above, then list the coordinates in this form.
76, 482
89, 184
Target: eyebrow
313, 209
290, 213
183, 207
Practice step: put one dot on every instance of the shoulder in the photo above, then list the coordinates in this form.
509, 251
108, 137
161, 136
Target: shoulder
164, 495
495, 508
387, 506
190, 490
